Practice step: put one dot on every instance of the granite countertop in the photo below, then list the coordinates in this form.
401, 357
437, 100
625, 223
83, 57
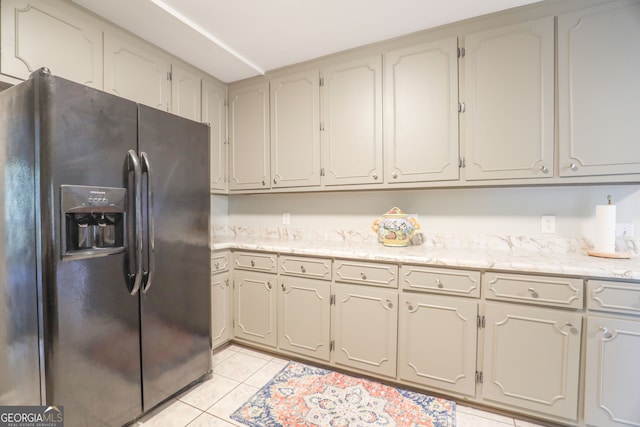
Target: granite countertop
506, 253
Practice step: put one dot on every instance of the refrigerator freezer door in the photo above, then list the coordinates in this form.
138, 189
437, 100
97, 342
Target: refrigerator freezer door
175, 309
19, 362
91, 334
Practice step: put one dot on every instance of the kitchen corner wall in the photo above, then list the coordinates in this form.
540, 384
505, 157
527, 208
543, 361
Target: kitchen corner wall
491, 211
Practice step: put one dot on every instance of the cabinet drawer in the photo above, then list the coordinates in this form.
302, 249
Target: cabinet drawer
220, 261
317, 268
440, 280
552, 291
617, 297
255, 261
366, 273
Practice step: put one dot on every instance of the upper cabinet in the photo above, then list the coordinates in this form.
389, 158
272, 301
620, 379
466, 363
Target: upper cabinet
133, 71
599, 88
351, 116
249, 148
214, 112
55, 35
185, 93
508, 102
421, 113
295, 130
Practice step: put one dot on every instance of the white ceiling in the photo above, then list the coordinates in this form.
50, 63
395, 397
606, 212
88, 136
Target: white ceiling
236, 39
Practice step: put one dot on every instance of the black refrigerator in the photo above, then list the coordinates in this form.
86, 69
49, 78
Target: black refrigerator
105, 302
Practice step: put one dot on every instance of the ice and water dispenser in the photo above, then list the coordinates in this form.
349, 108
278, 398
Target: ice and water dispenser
93, 221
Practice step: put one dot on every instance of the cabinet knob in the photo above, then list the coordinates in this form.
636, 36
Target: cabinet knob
304, 270
409, 306
439, 284
269, 285
605, 332
275, 181
544, 169
263, 183
217, 265
573, 167
533, 293
389, 303
226, 283
394, 175
284, 288
363, 276
375, 176
253, 264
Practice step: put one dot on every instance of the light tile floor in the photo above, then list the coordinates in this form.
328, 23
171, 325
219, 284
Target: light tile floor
239, 372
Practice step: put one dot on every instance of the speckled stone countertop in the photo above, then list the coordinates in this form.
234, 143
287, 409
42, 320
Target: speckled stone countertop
565, 256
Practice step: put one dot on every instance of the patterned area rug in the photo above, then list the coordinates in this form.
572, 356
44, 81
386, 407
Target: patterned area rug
306, 396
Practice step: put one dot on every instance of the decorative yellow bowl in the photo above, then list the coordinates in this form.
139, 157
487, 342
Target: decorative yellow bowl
395, 228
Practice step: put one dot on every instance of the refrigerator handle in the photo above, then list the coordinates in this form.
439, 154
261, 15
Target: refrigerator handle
135, 226
148, 275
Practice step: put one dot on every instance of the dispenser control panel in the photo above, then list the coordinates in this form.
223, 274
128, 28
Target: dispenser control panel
93, 221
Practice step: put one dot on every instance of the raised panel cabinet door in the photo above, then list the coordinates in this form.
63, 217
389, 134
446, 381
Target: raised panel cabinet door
295, 130
133, 71
303, 316
351, 98
186, 93
36, 33
255, 307
421, 113
214, 112
221, 309
613, 372
598, 91
249, 147
508, 99
437, 342
532, 359
365, 328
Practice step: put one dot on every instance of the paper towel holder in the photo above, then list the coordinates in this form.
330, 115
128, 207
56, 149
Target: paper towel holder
605, 233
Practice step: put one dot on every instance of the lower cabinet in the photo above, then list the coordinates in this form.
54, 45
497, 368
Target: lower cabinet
221, 315
255, 307
532, 359
437, 342
303, 317
365, 328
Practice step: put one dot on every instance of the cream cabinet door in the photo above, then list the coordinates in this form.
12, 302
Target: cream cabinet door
186, 93
598, 90
351, 98
508, 99
532, 359
37, 33
295, 130
365, 328
249, 148
255, 315
214, 112
437, 342
221, 309
613, 372
135, 72
303, 316
421, 113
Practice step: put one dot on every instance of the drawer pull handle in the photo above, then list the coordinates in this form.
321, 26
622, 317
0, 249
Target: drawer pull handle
253, 264
364, 276
605, 332
439, 284
389, 303
533, 293
303, 269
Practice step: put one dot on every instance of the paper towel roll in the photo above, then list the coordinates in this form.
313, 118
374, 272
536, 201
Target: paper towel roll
605, 240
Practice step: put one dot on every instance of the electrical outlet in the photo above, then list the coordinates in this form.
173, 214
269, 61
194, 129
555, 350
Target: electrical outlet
286, 218
548, 224
624, 230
